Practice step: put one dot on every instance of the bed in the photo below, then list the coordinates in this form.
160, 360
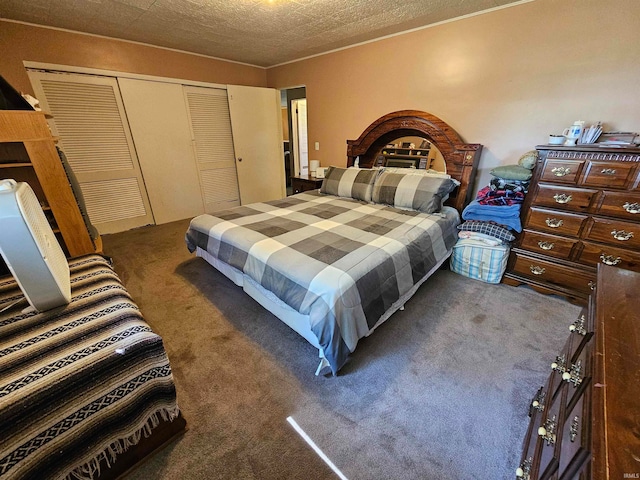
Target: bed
336, 263
86, 389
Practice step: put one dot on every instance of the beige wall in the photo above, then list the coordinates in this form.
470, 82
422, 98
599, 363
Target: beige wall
20, 42
505, 79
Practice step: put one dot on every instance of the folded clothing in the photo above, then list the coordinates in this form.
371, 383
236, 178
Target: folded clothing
491, 229
513, 185
508, 215
488, 196
480, 237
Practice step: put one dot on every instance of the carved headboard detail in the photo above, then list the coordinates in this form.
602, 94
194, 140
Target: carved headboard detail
461, 158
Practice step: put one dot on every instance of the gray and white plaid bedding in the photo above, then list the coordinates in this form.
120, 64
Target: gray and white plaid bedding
342, 262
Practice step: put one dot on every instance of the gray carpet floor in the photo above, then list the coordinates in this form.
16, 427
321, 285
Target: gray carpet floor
440, 391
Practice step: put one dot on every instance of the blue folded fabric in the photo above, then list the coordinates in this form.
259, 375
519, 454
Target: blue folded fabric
508, 215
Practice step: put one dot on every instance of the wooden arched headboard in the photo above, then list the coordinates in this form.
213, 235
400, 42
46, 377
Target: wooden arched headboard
461, 158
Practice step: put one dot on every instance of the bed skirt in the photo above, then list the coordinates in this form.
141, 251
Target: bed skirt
298, 322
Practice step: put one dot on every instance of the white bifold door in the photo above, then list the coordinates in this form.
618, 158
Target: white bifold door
210, 122
91, 124
148, 151
257, 137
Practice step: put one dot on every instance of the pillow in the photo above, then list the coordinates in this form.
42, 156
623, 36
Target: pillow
488, 228
512, 172
424, 193
349, 182
529, 159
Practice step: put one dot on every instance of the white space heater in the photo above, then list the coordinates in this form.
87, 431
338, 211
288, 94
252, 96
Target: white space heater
30, 249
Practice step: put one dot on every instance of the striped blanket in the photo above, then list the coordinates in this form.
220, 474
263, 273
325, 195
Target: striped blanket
79, 384
342, 262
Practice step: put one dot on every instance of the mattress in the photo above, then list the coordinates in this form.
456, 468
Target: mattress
81, 383
339, 261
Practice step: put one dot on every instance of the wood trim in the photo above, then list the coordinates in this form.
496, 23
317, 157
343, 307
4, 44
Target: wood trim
461, 158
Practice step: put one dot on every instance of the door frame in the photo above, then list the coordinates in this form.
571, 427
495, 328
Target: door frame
293, 93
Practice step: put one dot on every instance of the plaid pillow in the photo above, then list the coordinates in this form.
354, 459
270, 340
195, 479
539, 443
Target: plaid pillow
349, 182
422, 193
488, 228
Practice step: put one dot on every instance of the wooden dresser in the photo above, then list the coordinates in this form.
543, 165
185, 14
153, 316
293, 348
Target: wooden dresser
585, 421
582, 209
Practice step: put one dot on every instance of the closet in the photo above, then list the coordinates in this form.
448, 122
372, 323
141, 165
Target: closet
150, 150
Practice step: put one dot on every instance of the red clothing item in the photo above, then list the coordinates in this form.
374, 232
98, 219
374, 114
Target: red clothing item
486, 196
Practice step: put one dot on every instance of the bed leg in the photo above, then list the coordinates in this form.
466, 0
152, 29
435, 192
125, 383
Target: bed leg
323, 363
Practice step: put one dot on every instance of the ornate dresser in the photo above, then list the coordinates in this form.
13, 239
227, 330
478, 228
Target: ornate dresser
585, 421
582, 209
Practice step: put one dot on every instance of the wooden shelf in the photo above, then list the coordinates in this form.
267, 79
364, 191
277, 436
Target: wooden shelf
25, 136
417, 155
14, 165
399, 155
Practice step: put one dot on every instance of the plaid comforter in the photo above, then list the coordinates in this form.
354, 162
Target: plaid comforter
340, 261
79, 384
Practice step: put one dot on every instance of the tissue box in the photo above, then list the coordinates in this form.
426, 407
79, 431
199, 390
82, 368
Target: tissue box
477, 260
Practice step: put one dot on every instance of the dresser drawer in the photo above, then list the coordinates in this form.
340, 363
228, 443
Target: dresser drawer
609, 174
561, 171
566, 198
546, 244
575, 439
614, 232
581, 332
593, 254
548, 437
539, 403
549, 272
621, 204
553, 221
578, 375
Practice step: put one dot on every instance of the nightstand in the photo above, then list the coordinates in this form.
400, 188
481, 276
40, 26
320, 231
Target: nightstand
303, 183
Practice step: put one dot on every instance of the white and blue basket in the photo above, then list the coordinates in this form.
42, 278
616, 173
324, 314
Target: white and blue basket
477, 260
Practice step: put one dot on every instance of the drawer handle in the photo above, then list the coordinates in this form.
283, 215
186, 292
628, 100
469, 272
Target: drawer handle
536, 270
610, 259
573, 374
608, 171
622, 235
548, 432
560, 365
546, 245
524, 470
538, 400
573, 431
632, 207
562, 198
561, 171
578, 326
553, 222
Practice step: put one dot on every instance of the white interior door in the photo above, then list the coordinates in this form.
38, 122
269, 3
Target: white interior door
160, 126
90, 121
213, 144
257, 139
300, 139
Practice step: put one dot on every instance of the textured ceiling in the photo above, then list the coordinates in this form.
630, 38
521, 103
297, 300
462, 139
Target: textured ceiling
257, 32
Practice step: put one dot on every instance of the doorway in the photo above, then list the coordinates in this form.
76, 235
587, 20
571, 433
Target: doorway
295, 141
300, 144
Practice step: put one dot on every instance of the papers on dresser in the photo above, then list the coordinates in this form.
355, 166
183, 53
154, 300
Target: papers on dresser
591, 134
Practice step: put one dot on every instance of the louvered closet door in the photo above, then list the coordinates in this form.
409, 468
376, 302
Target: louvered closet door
213, 144
89, 119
